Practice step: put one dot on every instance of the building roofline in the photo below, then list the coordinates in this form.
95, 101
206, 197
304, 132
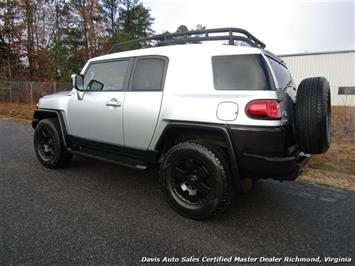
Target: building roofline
318, 53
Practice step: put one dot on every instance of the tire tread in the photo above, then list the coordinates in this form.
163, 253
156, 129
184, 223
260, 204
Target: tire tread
310, 112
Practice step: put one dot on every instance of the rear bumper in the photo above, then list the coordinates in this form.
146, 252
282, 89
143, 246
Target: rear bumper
280, 168
264, 152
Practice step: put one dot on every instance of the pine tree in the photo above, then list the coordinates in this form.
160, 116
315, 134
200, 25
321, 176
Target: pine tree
49, 39
135, 19
33, 32
182, 28
11, 66
110, 8
58, 52
88, 20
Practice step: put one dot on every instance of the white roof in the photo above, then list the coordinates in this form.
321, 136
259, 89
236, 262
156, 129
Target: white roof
183, 50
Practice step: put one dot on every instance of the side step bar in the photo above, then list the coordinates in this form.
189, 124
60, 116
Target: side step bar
131, 164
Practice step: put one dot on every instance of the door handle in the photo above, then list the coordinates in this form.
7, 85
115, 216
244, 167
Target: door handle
113, 103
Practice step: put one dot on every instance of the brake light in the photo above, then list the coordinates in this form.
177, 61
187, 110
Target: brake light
269, 109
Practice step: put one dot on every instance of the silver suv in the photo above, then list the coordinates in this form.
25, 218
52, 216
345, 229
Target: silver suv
210, 116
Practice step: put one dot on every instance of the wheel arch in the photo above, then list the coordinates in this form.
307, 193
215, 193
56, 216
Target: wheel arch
44, 114
180, 131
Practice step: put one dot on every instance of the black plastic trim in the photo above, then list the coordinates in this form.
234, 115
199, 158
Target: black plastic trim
257, 152
108, 151
280, 168
40, 114
274, 57
98, 157
208, 127
263, 140
267, 152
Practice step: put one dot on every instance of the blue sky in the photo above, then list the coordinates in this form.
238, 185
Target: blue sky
286, 26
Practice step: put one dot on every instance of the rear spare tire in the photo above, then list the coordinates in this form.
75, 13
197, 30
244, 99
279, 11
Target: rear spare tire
313, 115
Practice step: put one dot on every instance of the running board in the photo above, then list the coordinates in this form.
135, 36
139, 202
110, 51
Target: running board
128, 164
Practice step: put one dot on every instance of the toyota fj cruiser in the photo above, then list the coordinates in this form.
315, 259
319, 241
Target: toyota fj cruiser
209, 115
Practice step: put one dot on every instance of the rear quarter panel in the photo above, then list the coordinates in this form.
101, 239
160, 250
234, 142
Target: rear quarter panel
189, 95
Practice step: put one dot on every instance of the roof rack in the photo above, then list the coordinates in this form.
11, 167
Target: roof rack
231, 35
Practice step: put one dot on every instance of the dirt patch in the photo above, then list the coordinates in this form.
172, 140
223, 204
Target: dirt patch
335, 168
17, 120
17, 112
343, 122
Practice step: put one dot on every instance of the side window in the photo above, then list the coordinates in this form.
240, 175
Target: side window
282, 74
111, 74
240, 72
148, 75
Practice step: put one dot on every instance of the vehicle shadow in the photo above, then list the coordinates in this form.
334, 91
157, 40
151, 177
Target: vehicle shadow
268, 198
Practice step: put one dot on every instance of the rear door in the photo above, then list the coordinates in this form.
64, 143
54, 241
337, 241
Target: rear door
143, 100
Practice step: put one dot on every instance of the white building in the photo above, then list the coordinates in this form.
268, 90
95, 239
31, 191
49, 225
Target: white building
338, 67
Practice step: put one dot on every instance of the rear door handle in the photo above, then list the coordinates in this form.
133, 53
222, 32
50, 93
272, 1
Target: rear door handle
113, 103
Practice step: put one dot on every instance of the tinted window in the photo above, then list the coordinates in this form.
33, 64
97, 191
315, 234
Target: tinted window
282, 74
111, 74
148, 75
240, 72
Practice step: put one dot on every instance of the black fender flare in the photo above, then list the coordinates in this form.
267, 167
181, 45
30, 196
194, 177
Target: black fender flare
221, 129
40, 114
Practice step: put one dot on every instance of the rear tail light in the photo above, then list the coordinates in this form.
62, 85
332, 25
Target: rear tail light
267, 109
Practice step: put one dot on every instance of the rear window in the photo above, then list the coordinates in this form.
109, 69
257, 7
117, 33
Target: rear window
148, 75
282, 74
240, 72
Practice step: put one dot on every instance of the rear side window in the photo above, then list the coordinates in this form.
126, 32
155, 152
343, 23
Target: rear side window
148, 75
240, 72
282, 74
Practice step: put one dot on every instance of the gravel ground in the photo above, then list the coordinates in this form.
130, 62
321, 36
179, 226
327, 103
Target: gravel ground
95, 213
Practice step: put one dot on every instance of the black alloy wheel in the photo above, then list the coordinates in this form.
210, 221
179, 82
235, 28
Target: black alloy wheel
191, 181
46, 145
49, 145
196, 180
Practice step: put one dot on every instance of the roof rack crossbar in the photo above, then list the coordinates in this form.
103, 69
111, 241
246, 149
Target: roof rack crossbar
190, 37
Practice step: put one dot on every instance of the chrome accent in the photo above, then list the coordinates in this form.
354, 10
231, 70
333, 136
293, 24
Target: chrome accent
192, 192
113, 103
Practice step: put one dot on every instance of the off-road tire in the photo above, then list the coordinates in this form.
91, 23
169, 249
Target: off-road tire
58, 156
313, 115
221, 193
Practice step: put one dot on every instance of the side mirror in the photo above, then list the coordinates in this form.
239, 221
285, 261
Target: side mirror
95, 85
78, 81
